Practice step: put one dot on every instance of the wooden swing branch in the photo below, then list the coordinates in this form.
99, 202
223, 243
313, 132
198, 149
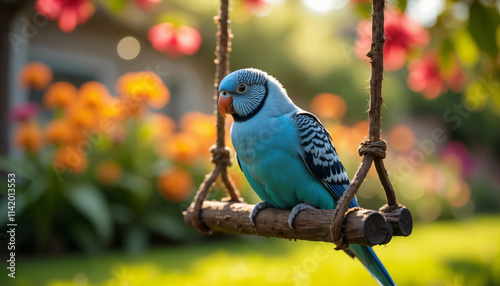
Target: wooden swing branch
341, 225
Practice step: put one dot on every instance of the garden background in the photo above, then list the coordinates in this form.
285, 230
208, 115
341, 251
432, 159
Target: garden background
107, 120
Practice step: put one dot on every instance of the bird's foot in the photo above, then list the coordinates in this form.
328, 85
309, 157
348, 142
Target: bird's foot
256, 209
295, 211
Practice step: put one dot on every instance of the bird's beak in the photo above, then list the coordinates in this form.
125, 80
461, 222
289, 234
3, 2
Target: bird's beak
225, 103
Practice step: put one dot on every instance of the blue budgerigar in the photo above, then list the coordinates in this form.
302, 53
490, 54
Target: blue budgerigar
286, 154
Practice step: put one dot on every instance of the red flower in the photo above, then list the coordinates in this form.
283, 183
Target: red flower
24, 111
146, 5
427, 77
174, 41
68, 13
257, 7
401, 33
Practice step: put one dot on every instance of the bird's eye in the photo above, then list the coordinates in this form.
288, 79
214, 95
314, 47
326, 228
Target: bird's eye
242, 88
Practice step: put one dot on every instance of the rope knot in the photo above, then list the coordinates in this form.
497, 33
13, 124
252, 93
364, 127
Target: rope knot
375, 148
221, 156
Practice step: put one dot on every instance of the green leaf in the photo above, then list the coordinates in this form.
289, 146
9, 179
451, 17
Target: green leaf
136, 184
446, 51
37, 188
467, 50
115, 6
166, 225
22, 167
92, 204
476, 95
483, 24
401, 5
498, 37
121, 214
85, 238
136, 239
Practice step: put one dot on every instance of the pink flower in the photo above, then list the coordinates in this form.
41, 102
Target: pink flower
24, 111
256, 6
174, 41
146, 5
456, 154
68, 13
426, 76
402, 35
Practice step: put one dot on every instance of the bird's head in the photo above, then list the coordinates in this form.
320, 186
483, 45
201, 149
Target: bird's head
242, 93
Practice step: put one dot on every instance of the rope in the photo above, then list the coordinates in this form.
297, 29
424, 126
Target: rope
376, 148
221, 154
338, 232
373, 149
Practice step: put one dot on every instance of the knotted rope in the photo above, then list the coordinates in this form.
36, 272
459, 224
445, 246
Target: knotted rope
372, 149
377, 148
221, 154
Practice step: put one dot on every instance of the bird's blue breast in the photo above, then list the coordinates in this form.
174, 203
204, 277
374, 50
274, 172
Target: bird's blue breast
269, 154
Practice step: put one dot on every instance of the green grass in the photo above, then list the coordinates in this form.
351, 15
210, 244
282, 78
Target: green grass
442, 253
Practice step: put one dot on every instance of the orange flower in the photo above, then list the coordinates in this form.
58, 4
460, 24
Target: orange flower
35, 75
182, 147
71, 159
161, 126
109, 172
59, 95
28, 136
202, 126
115, 109
58, 131
329, 105
143, 87
82, 117
175, 184
402, 138
94, 95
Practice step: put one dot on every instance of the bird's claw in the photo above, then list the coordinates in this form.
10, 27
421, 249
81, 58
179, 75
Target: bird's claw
256, 209
295, 211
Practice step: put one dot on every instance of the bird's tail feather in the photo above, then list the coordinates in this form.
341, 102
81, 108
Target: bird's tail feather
367, 256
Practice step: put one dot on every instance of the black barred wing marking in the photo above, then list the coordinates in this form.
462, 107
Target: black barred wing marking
319, 155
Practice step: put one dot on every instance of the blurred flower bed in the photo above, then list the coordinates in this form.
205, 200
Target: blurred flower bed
105, 169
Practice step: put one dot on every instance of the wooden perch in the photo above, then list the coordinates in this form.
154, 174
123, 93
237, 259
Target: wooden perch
361, 226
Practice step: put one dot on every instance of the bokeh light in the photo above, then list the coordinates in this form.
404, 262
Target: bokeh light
329, 105
401, 138
175, 184
128, 48
323, 6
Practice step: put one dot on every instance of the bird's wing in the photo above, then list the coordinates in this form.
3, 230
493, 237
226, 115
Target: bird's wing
319, 155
